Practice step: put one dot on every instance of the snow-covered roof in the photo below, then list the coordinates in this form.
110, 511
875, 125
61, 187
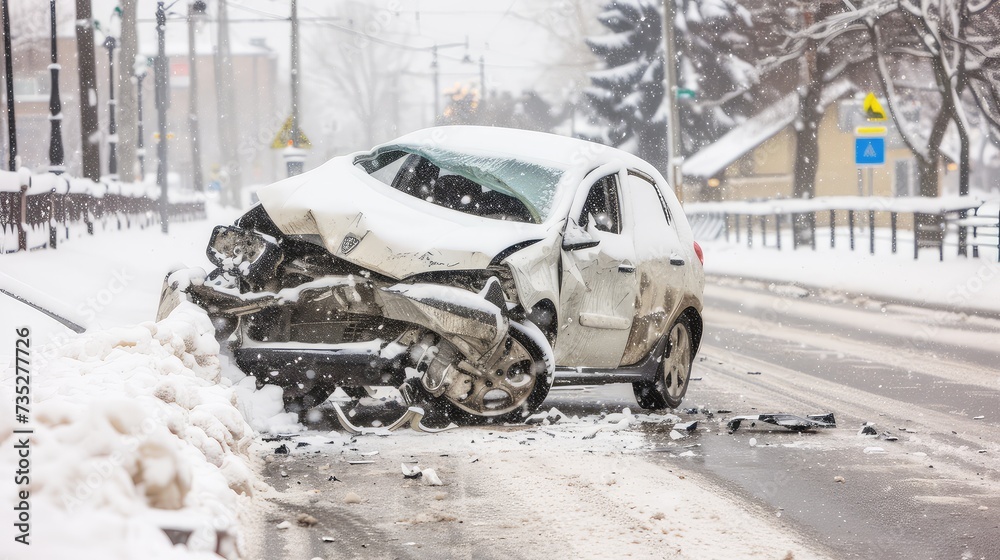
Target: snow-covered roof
715, 157
712, 159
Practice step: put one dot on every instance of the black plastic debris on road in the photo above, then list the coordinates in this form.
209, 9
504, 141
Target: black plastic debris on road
868, 429
686, 426
281, 450
788, 421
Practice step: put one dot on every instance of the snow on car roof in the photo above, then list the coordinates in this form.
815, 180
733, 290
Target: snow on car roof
542, 148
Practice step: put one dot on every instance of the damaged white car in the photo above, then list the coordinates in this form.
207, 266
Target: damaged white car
472, 267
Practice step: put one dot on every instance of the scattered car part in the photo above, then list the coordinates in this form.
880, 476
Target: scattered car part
868, 429
411, 418
410, 472
789, 421
686, 426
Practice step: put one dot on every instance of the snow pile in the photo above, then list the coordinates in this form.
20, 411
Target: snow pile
135, 431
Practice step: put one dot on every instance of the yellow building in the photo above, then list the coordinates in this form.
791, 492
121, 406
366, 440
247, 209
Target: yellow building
756, 159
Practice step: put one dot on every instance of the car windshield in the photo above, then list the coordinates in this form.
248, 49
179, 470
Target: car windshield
491, 187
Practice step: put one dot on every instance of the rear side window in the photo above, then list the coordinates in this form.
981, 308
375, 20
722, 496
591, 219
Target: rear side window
647, 179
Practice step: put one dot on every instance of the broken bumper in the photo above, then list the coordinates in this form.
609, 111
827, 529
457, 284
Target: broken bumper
346, 365
475, 323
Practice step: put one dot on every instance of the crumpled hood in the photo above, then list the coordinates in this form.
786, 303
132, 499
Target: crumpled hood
398, 235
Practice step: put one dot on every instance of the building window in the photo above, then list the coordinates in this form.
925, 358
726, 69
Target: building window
904, 182
31, 88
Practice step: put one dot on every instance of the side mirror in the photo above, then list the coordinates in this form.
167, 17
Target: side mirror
575, 237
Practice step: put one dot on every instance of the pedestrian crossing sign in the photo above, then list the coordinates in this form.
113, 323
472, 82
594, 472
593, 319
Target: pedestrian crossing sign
873, 109
869, 151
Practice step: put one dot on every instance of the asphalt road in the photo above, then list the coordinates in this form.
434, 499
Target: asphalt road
933, 493
929, 378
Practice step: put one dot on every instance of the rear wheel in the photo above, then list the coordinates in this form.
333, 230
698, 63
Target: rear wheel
673, 374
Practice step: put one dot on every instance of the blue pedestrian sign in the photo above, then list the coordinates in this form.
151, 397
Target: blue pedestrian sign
869, 151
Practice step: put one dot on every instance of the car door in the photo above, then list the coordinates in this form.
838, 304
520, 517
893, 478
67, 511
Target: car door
598, 284
659, 261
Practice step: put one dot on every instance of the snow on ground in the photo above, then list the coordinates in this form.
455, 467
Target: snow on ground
602, 486
959, 283
134, 431
135, 428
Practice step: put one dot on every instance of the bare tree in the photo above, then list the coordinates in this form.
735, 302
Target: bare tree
361, 71
566, 23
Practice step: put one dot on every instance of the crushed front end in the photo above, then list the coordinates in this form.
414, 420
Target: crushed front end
298, 317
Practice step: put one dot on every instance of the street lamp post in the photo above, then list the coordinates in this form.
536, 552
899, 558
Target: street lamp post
56, 155
110, 43
294, 156
9, 78
162, 102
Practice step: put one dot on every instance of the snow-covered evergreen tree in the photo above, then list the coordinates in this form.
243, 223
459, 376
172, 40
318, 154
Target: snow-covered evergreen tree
628, 94
716, 41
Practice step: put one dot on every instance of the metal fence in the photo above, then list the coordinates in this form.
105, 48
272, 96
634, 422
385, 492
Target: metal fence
967, 220
38, 210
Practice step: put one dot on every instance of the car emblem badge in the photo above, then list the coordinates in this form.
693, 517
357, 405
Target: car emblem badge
349, 243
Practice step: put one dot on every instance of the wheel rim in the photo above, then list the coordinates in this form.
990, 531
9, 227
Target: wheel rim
677, 364
506, 386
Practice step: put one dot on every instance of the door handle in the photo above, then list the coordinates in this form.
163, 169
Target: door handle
676, 261
626, 268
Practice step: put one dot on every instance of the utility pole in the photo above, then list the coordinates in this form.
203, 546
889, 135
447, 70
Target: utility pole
227, 110
56, 156
482, 79
140, 143
162, 102
294, 156
88, 91
110, 43
195, 9
127, 97
9, 79
437, 72
437, 101
670, 87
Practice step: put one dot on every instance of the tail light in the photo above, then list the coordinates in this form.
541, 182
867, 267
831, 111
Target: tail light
698, 251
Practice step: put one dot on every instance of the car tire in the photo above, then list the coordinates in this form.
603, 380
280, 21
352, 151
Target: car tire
441, 412
673, 375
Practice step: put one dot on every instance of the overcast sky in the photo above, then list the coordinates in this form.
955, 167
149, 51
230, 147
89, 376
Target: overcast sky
515, 50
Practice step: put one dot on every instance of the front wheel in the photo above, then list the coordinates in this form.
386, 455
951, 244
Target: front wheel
514, 388
673, 374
